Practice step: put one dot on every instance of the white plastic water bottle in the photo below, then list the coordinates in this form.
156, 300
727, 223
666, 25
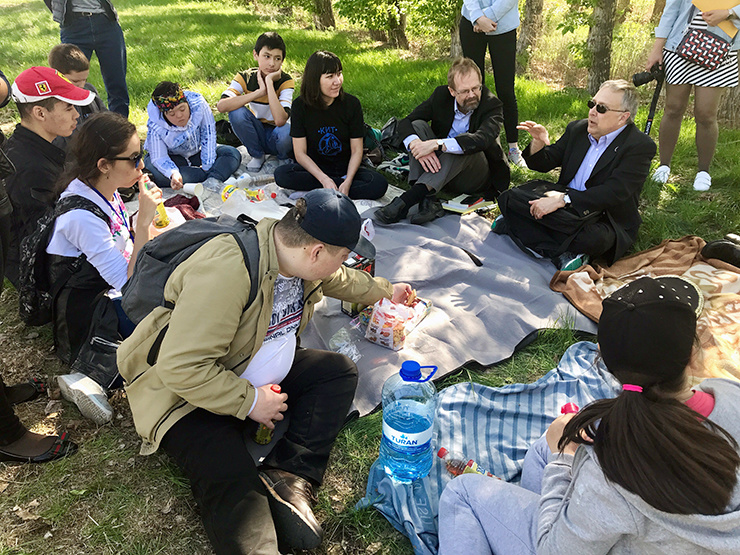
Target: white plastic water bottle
408, 419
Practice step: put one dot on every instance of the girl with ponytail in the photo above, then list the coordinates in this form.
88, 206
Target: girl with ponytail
654, 470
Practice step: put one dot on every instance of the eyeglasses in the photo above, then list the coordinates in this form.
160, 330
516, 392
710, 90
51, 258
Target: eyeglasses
601, 108
466, 92
136, 159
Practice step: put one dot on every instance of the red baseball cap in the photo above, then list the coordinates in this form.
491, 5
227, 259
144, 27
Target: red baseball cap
40, 83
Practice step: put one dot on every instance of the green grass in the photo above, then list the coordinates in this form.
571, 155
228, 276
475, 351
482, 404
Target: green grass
107, 499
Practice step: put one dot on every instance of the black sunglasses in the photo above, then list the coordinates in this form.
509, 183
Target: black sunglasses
601, 108
136, 159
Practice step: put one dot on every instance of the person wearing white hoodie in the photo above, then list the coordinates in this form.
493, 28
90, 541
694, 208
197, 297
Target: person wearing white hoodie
181, 140
654, 470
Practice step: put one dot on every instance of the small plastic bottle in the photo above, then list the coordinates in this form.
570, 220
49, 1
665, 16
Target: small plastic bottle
161, 219
457, 464
263, 435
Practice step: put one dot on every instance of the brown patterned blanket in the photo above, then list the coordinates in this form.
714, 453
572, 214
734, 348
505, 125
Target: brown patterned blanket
718, 327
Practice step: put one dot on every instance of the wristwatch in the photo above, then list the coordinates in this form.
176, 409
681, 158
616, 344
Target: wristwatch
566, 199
440, 144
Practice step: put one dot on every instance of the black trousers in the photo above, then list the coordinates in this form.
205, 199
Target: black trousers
502, 49
211, 450
367, 183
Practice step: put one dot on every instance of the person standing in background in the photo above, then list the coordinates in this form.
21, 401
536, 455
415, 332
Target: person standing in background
492, 24
92, 25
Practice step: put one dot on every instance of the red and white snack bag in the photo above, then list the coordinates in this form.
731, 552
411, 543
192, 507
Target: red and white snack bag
390, 322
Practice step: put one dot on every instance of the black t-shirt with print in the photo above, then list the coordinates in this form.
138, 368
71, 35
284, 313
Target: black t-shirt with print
327, 132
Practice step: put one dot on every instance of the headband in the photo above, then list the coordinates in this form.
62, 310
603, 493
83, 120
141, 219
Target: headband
166, 103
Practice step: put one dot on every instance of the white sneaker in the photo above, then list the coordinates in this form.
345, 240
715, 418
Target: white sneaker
255, 163
661, 174
515, 157
702, 181
88, 395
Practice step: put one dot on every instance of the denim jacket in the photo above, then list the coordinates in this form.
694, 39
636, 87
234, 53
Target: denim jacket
675, 21
504, 12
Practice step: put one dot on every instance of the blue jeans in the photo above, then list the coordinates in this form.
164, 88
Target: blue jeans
99, 34
227, 161
260, 138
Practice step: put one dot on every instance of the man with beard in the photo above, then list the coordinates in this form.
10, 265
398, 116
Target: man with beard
460, 151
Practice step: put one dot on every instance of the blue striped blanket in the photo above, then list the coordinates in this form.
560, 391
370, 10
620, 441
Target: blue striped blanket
493, 426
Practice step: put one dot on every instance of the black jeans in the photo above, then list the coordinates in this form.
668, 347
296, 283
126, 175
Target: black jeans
367, 184
502, 49
211, 450
11, 428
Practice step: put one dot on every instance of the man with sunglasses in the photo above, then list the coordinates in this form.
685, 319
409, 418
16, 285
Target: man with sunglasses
46, 102
593, 208
460, 151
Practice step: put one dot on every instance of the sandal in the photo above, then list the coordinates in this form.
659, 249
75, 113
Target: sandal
60, 448
38, 388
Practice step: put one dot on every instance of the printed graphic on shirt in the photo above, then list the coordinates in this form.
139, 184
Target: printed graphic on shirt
287, 308
329, 143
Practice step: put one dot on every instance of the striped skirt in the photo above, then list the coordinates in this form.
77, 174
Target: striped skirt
679, 71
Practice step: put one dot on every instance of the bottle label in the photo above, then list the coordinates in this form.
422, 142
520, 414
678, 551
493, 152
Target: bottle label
407, 439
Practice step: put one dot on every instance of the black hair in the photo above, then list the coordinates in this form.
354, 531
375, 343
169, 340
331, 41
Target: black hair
271, 40
656, 447
25, 108
103, 135
166, 88
318, 64
66, 58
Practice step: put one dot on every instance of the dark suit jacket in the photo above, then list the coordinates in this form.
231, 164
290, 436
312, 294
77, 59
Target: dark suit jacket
615, 183
482, 136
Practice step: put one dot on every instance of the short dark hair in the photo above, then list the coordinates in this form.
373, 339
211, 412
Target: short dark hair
25, 108
271, 40
66, 58
292, 234
318, 64
166, 88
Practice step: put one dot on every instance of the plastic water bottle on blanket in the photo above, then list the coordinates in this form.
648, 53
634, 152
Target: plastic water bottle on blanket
408, 418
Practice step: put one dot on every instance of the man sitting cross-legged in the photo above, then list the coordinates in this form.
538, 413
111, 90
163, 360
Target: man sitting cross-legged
199, 375
593, 208
459, 152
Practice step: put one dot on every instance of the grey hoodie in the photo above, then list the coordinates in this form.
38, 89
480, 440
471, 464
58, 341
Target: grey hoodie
601, 517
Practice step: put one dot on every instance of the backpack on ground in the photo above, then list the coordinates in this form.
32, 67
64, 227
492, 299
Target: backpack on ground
158, 258
36, 292
389, 137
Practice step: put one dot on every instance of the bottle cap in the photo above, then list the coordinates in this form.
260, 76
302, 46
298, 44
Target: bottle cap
276, 388
442, 453
569, 408
411, 371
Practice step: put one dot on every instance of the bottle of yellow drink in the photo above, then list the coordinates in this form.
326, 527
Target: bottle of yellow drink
161, 219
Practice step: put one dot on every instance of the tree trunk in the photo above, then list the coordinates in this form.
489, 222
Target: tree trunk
729, 108
529, 32
599, 43
324, 14
657, 11
378, 35
397, 30
455, 46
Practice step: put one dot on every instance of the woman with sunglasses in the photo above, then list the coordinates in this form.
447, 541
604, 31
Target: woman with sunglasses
653, 470
681, 75
100, 246
328, 132
181, 140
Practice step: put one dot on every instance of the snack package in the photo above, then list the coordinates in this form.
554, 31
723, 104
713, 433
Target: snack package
390, 322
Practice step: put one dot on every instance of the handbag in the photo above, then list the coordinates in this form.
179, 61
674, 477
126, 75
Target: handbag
701, 47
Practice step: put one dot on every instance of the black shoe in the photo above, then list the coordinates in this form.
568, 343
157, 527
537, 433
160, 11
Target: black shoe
291, 500
60, 448
391, 213
430, 209
726, 251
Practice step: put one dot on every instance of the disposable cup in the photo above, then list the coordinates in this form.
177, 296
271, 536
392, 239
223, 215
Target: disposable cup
193, 188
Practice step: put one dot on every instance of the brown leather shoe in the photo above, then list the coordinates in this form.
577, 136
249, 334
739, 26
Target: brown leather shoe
291, 500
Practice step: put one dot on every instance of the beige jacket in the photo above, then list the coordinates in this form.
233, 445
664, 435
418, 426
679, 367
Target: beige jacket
209, 334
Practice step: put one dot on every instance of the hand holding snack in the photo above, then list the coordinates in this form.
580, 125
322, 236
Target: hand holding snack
402, 292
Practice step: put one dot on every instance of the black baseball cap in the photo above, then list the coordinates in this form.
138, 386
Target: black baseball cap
648, 327
332, 218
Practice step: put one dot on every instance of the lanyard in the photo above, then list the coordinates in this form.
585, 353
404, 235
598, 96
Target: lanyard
121, 214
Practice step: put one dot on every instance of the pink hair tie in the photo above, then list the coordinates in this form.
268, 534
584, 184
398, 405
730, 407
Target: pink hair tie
630, 387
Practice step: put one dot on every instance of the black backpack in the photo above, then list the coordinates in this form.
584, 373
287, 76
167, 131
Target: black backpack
36, 292
158, 258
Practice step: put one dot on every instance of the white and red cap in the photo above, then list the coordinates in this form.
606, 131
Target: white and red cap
40, 83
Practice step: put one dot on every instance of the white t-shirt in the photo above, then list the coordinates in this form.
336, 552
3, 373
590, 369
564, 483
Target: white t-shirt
275, 357
107, 248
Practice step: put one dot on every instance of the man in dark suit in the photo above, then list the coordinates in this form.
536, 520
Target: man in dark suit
460, 151
593, 208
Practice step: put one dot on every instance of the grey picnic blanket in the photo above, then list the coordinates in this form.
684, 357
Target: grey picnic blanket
487, 297
493, 426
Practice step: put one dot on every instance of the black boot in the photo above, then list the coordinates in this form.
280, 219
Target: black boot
430, 209
391, 213
726, 251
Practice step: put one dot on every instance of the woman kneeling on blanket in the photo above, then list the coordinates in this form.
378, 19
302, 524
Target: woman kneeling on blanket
654, 470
